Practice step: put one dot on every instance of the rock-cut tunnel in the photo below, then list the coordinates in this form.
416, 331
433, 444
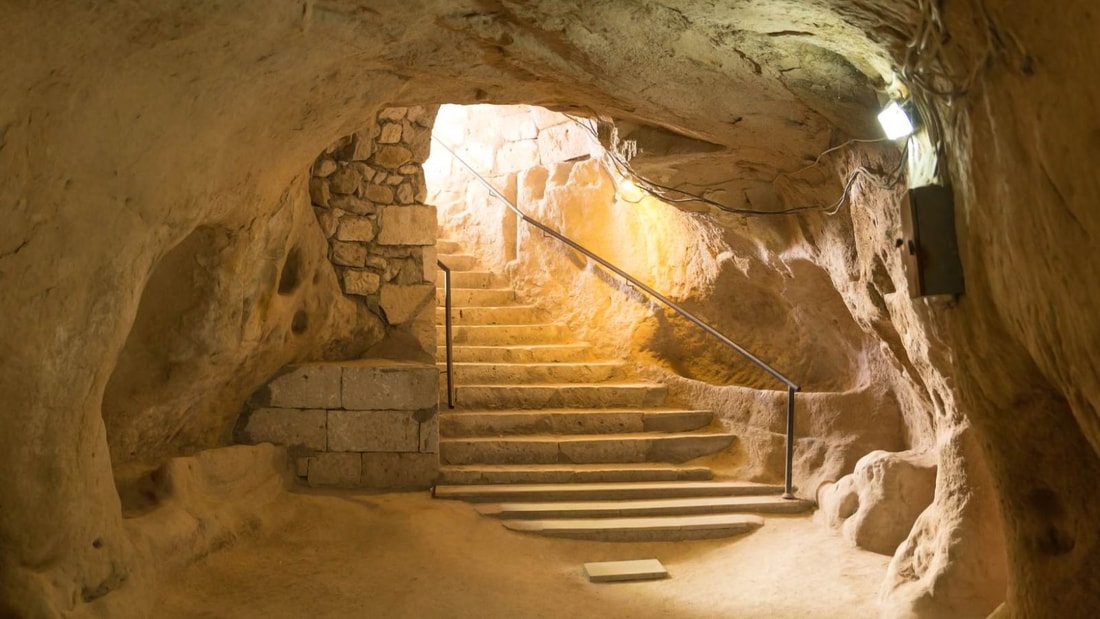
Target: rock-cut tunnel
201, 197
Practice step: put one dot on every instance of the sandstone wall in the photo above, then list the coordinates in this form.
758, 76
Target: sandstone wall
368, 192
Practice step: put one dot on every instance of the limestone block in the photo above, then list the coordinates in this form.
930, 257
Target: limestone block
429, 258
344, 180
401, 303
289, 427
394, 180
419, 141
342, 470
423, 115
546, 118
377, 262
349, 254
407, 225
315, 385
365, 172
301, 467
328, 220
353, 204
429, 435
563, 142
390, 134
406, 471
389, 385
372, 430
392, 113
392, 157
409, 169
361, 282
516, 156
355, 228
324, 167
518, 127
319, 193
378, 194
363, 143
405, 193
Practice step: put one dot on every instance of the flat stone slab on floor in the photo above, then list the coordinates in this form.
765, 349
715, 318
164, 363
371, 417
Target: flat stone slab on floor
621, 571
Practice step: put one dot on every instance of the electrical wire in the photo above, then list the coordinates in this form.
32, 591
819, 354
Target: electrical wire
623, 169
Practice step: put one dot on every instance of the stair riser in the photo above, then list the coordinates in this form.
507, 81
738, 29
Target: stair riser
549, 354
459, 262
447, 246
491, 494
760, 507
602, 450
570, 476
477, 280
505, 315
520, 374
503, 335
581, 422
476, 298
627, 535
571, 396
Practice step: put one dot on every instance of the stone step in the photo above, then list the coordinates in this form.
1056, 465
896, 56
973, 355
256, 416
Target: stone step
646, 508
570, 421
550, 395
476, 280
569, 473
610, 491
582, 448
504, 335
499, 315
448, 246
656, 529
551, 353
458, 262
519, 373
468, 297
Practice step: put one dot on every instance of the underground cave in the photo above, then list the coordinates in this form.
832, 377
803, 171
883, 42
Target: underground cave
281, 278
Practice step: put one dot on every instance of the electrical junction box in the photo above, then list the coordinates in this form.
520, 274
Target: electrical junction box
929, 248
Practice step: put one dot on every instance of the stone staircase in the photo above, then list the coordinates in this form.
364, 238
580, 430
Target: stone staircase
553, 441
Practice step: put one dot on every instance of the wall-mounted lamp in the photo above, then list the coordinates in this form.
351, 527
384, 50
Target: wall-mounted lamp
898, 120
629, 191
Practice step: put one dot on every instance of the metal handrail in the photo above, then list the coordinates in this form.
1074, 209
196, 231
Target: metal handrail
792, 387
447, 331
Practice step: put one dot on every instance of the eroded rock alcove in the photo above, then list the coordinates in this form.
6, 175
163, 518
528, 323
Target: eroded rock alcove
161, 259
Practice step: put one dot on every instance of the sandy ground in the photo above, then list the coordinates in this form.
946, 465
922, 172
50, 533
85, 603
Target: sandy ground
407, 555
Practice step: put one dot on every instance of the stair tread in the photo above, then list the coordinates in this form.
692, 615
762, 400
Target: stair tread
609, 385
634, 486
574, 411
527, 364
697, 522
571, 438
641, 466
521, 346
607, 508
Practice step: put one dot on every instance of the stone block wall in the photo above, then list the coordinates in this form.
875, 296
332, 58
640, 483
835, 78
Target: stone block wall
353, 424
368, 193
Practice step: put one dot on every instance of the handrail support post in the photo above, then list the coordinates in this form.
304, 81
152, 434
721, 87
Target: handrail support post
788, 478
447, 333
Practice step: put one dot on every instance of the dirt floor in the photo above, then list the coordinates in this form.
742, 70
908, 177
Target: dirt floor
407, 555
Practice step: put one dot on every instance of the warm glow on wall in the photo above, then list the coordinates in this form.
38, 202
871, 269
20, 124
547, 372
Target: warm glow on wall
629, 191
